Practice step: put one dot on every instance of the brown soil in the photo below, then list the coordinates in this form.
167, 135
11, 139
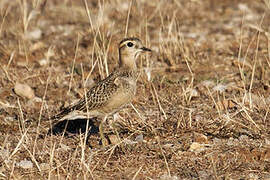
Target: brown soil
202, 106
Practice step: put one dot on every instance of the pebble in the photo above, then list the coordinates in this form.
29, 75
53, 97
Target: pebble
220, 88
25, 164
44, 166
36, 46
24, 90
34, 35
43, 62
200, 138
194, 93
196, 147
168, 177
65, 147
139, 138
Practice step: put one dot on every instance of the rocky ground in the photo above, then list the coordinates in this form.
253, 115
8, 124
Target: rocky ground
202, 106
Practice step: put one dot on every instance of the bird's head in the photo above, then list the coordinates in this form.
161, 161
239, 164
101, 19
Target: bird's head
130, 49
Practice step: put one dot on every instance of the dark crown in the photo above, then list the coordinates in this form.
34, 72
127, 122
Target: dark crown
129, 39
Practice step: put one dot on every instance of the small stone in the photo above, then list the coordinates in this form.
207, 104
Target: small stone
168, 177
37, 99
267, 142
253, 176
208, 83
139, 138
25, 164
232, 142
44, 166
9, 119
124, 6
34, 35
116, 117
220, 88
204, 175
243, 7
22, 63
64, 147
169, 145
129, 142
194, 93
24, 90
36, 46
200, 138
35, 102
196, 147
243, 138
217, 141
43, 62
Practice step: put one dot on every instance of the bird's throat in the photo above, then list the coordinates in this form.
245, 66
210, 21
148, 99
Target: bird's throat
128, 62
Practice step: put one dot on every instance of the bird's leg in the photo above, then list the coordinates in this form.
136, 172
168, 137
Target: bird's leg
114, 127
103, 139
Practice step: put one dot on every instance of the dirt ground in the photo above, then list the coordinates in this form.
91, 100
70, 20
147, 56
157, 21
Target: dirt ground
202, 105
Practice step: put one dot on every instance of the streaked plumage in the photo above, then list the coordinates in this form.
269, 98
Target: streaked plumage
118, 89
120, 83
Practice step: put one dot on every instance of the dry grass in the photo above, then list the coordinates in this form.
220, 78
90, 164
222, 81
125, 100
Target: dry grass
202, 105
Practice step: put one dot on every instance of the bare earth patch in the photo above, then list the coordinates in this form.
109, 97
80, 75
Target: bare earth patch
203, 100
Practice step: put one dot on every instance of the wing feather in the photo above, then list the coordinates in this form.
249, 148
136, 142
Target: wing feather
96, 97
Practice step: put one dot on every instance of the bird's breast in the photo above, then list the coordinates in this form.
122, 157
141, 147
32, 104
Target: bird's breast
124, 95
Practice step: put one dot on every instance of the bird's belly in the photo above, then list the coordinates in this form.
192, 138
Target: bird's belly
120, 99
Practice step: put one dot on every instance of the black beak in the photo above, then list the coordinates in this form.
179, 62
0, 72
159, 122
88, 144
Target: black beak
145, 49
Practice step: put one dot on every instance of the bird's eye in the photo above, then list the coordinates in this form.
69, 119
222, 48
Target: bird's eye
130, 44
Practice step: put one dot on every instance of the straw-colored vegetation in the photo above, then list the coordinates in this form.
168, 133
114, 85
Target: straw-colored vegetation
202, 105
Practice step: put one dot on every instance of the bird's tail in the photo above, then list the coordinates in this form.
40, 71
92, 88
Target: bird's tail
61, 114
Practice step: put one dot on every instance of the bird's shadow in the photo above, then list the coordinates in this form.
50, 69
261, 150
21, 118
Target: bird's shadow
77, 126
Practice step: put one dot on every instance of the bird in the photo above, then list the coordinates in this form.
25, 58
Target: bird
111, 94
